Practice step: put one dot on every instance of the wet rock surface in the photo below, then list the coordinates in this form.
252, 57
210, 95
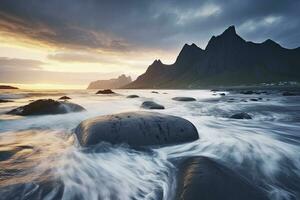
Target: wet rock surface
106, 91
152, 105
184, 99
203, 178
132, 96
45, 107
136, 129
242, 115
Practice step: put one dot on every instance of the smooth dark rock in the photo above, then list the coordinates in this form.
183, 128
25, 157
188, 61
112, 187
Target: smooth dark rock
64, 98
184, 99
253, 99
5, 101
222, 94
289, 94
242, 115
155, 92
205, 179
151, 105
136, 129
132, 96
247, 92
45, 107
106, 91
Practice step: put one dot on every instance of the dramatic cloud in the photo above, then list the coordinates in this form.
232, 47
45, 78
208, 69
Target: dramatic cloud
14, 64
104, 38
117, 26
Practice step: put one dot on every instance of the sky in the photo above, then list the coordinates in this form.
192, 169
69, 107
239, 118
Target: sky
69, 43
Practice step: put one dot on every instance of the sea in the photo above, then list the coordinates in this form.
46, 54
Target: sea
41, 158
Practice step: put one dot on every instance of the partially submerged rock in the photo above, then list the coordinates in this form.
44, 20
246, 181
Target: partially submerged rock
132, 96
222, 94
5, 101
242, 115
45, 107
184, 99
64, 98
136, 129
155, 92
249, 92
151, 105
106, 91
289, 94
203, 178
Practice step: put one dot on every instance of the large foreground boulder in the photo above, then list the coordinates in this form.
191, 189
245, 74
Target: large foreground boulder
205, 179
184, 99
151, 105
45, 107
136, 129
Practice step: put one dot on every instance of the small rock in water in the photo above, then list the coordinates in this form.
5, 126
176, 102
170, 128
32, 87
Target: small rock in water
253, 99
5, 101
64, 98
45, 107
155, 92
136, 129
151, 105
222, 94
106, 91
247, 92
242, 115
184, 99
132, 96
289, 94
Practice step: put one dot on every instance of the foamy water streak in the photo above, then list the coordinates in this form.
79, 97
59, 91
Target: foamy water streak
115, 173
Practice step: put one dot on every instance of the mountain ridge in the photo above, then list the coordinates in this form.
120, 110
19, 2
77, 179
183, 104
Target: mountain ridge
114, 83
227, 60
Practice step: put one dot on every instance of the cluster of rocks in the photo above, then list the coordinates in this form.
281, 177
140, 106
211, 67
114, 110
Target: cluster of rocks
197, 176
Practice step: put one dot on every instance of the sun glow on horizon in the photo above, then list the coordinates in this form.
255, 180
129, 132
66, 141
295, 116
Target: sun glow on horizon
45, 86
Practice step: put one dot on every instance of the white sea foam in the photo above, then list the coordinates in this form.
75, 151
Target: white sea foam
261, 150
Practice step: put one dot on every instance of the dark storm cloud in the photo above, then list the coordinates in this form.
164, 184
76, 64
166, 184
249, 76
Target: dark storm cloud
136, 24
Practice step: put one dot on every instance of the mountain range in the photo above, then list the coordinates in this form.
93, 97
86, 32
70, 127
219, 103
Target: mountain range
111, 83
227, 60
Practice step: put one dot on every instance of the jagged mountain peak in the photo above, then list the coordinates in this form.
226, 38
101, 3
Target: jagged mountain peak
230, 31
227, 60
271, 43
157, 62
228, 38
189, 52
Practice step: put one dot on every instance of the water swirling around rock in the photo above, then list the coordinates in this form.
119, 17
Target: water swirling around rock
40, 158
